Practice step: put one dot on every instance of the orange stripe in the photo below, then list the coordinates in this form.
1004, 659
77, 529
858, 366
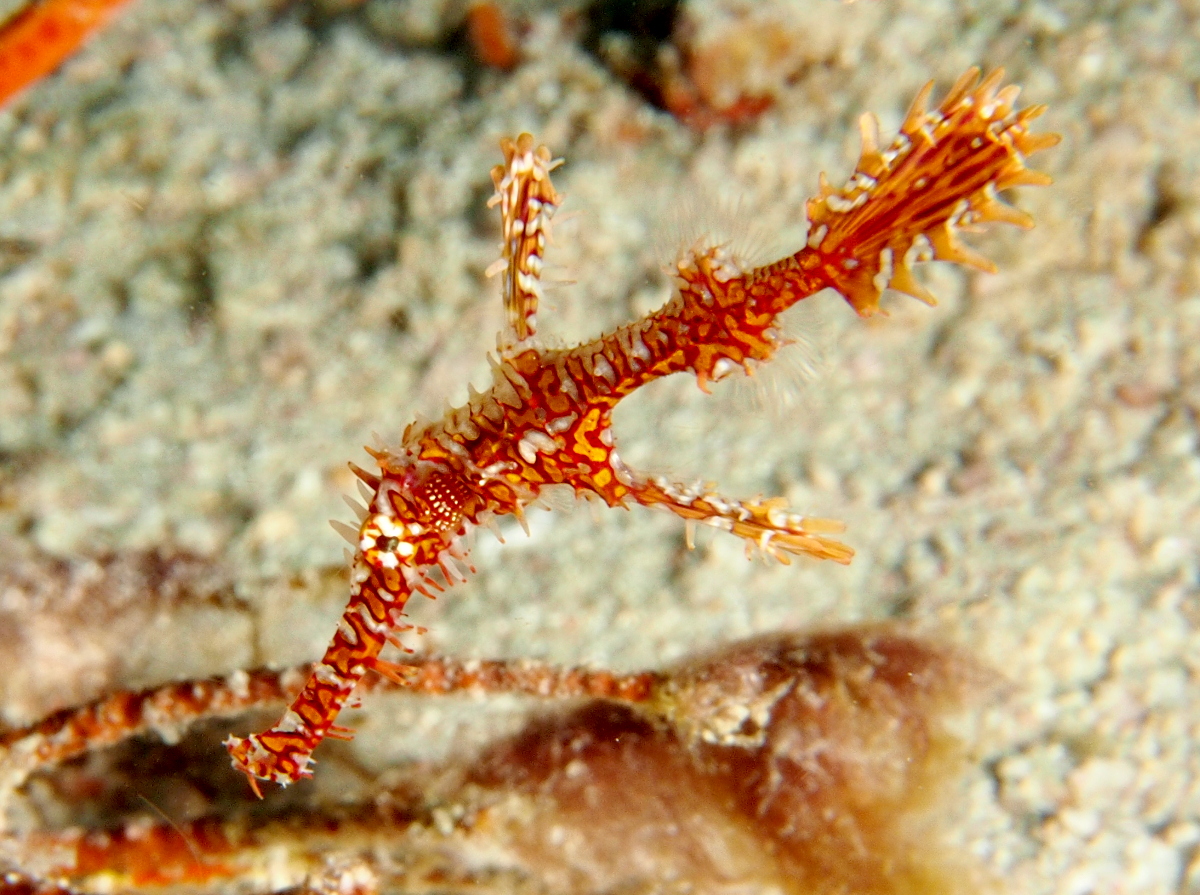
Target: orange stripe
35, 41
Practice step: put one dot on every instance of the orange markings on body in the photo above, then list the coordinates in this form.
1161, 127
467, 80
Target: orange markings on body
547, 416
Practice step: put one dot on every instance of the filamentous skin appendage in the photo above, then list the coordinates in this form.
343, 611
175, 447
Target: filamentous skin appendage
547, 418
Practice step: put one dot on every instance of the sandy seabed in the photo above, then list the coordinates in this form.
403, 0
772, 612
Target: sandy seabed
236, 239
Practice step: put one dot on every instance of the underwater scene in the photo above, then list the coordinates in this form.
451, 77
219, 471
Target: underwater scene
893, 589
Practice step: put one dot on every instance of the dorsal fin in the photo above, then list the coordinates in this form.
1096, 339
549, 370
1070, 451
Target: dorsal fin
527, 201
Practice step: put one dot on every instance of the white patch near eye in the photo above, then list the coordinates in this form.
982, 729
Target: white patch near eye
389, 528
404, 548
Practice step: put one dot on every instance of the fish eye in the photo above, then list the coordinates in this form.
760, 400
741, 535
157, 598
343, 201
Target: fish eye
386, 544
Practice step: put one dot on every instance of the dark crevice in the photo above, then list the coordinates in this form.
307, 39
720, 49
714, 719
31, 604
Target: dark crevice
1166, 204
627, 37
474, 73
372, 256
199, 279
398, 321
229, 47
15, 251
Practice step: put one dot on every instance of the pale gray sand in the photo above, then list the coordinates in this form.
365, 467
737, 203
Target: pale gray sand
234, 247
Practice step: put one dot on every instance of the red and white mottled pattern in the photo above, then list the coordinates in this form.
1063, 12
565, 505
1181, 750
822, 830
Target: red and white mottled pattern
547, 418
